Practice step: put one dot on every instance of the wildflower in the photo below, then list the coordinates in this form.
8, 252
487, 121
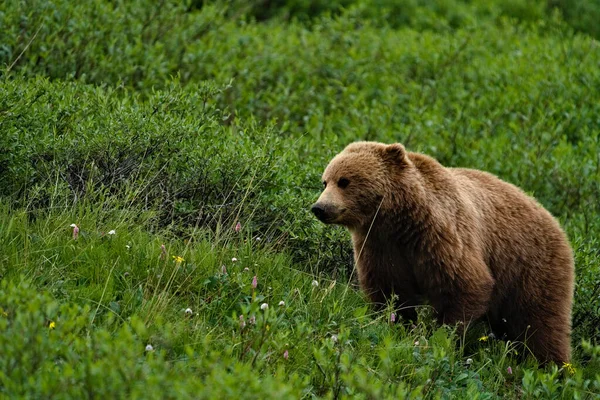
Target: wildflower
189, 311
569, 367
258, 239
51, 325
281, 303
315, 284
469, 361
246, 269
149, 347
492, 335
252, 320
483, 338
238, 227
234, 259
393, 317
416, 342
223, 269
75, 231
242, 322
334, 338
286, 355
264, 306
178, 259
111, 232
127, 246
254, 282
509, 370
163, 252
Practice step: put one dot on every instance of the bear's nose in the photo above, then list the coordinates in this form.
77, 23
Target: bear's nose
318, 211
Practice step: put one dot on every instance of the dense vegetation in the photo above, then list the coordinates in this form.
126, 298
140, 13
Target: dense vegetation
186, 141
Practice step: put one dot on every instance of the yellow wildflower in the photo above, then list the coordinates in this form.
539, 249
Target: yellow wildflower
178, 259
52, 325
569, 367
484, 338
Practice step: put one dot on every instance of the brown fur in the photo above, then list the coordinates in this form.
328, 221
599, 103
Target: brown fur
471, 245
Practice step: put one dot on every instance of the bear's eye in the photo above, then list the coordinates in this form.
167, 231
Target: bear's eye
343, 183
324, 184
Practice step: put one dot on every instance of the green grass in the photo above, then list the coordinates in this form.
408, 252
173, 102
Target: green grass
171, 123
110, 295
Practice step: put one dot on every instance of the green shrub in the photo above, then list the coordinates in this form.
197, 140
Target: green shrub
50, 350
581, 15
53, 349
438, 15
102, 41
175, 153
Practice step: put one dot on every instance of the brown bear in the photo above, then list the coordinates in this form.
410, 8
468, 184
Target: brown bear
471, 245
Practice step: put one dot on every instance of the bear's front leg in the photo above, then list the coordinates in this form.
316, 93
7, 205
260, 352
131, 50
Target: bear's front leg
465, 306
464, 292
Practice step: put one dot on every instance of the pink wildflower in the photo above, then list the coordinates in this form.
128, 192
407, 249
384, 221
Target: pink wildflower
509, 370
75, 231
238, 227
393, 317
223, 269
286, 355
254, 282
242, 322
163, 252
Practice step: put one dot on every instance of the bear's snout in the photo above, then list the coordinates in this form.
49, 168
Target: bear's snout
319, 212
326, 213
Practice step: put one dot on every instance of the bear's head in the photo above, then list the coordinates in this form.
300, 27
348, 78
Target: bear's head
356, 182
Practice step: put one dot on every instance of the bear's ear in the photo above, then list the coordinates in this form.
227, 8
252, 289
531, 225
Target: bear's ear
394, 153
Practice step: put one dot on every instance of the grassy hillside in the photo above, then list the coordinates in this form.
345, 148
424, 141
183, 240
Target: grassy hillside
186, 142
